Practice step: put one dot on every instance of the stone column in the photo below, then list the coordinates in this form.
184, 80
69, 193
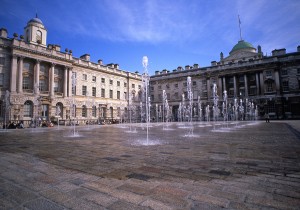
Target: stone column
209, 96
66, 82
20, 75
224, 83
257, 83
52, 80
70, 82
37, 76
220, 88
235, 86
261, 81
246, 85
277, 81
13, 74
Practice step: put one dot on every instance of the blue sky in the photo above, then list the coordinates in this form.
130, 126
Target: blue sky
171, 33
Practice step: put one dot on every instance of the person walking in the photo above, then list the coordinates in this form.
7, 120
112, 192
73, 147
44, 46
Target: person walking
267, 117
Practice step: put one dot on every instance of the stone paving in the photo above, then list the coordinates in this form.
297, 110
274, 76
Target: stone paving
248, 165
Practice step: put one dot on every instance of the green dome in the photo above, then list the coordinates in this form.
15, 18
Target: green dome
242, 45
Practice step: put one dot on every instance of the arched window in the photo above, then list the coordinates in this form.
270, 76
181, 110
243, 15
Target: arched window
84, 111
28, 109
39, 36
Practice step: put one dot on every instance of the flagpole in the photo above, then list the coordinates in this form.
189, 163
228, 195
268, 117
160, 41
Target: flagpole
240, 27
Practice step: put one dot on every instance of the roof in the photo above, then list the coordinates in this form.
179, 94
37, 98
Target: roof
242, 45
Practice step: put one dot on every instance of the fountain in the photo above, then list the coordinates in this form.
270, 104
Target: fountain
146, 79
190, 107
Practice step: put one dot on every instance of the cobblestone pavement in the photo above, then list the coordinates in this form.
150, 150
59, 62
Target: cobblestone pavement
234, 166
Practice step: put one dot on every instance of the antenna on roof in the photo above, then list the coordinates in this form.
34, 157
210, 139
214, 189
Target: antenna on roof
240, 28
36, 13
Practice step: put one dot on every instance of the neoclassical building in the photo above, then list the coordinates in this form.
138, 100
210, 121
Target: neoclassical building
37, 80
270, 83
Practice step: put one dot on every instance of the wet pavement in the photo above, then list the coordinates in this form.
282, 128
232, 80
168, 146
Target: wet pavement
244, 165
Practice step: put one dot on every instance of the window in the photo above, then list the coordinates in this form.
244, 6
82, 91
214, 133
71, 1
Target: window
241, 79
110, 93
285, 86
125, 95
139, 87
184, 84
84, 111
204, 82
133, 85
268, 73
125, 84
94, 111
73, 90
252, 78
2, 61
176, 95
84, 76
94, 78
194, 83
159, 87
159, 97
176, 85
102, 92
83, 90
298, 71
28, 109
102, 80
118, 112
26, 83
1, 80
55, 86
252, 90
118, 83
43, 85
269, 86
39, 36
118, 94
111, 82
167, 86
93, 91
284, 72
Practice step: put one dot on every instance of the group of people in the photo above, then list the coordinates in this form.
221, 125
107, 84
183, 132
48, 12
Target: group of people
14, 125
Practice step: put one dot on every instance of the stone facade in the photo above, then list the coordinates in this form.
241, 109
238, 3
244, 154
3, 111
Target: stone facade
271, 83
47, 84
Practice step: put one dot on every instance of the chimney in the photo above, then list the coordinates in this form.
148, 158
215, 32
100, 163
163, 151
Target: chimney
3, 32
100, 62
213, 63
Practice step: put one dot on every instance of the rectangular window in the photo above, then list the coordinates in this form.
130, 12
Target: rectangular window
84, 76
26, 83
110, 93
139, 87
93, 91
268, 73
285, 86
118, 94
269, 86
74, 90
125, 95
284, 72
111, 82
298, 71
167, 86
184, 84
2, 61
55, 86
204, 82
102, 80
194, 83
118, 83
176, 95
125, 84
102, 92
252, 90
83, 90
1, 80
94, 111
133, 85
94, 78
176, 85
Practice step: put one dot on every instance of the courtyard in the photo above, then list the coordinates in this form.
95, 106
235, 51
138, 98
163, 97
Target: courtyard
235, 165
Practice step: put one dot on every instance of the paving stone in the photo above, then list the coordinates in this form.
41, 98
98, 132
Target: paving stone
250, 167
40, 203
